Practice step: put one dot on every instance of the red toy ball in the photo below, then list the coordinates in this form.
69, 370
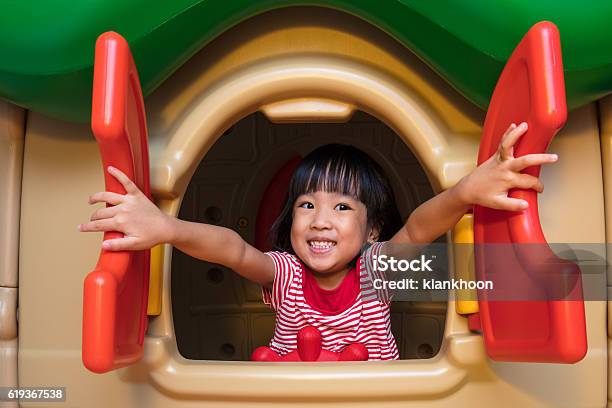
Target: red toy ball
309, 349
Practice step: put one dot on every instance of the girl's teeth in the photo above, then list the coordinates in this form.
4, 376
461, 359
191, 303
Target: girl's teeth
321, 244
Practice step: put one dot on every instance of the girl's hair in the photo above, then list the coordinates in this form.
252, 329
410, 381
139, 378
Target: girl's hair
340, 169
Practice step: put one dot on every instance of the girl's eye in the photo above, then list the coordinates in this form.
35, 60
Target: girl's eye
306, 205
342, 207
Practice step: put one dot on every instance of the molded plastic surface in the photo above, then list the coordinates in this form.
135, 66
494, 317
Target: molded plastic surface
463, 254
547, 324
115, 293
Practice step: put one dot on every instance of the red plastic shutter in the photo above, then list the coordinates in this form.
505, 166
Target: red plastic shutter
115, 293
541, 328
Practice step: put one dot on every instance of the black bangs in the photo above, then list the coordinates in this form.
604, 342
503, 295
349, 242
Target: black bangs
336, 168
344, 169
331, 171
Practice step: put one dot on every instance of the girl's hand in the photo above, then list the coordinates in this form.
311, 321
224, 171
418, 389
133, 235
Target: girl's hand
133, 214
489, 183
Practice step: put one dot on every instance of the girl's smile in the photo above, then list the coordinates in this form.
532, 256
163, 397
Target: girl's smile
327, 233
321, 245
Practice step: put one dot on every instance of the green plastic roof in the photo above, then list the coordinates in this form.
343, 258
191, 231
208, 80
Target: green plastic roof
47, 47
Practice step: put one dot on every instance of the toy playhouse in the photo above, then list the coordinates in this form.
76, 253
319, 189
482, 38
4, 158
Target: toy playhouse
235, 93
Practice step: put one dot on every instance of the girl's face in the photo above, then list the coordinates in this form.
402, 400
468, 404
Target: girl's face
328, 230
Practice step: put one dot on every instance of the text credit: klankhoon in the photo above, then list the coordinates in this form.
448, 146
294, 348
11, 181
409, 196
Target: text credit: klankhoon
417, 274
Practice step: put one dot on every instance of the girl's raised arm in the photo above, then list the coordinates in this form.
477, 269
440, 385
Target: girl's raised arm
144, 226
487, 185
432, 218
223, 246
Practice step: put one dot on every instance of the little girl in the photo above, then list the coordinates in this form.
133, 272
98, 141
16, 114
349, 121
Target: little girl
338, 203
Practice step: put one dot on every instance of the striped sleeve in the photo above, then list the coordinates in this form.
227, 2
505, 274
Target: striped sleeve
373, 278
283, 276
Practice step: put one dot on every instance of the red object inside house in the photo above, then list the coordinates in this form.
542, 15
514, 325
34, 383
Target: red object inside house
309, 349
272, 202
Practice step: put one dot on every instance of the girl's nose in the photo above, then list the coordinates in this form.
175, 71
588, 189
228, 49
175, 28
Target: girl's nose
320, 220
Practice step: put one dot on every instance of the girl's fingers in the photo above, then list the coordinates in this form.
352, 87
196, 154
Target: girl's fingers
509, 204
529, 160
107, 197
128, 184
527, 181
502, 153
103, 213
107, 224
510, 129
506, 146
120, 244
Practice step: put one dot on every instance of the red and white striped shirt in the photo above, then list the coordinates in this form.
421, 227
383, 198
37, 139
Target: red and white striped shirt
367, 320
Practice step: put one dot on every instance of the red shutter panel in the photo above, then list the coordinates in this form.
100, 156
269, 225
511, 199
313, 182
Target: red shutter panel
115, 293
525, 318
